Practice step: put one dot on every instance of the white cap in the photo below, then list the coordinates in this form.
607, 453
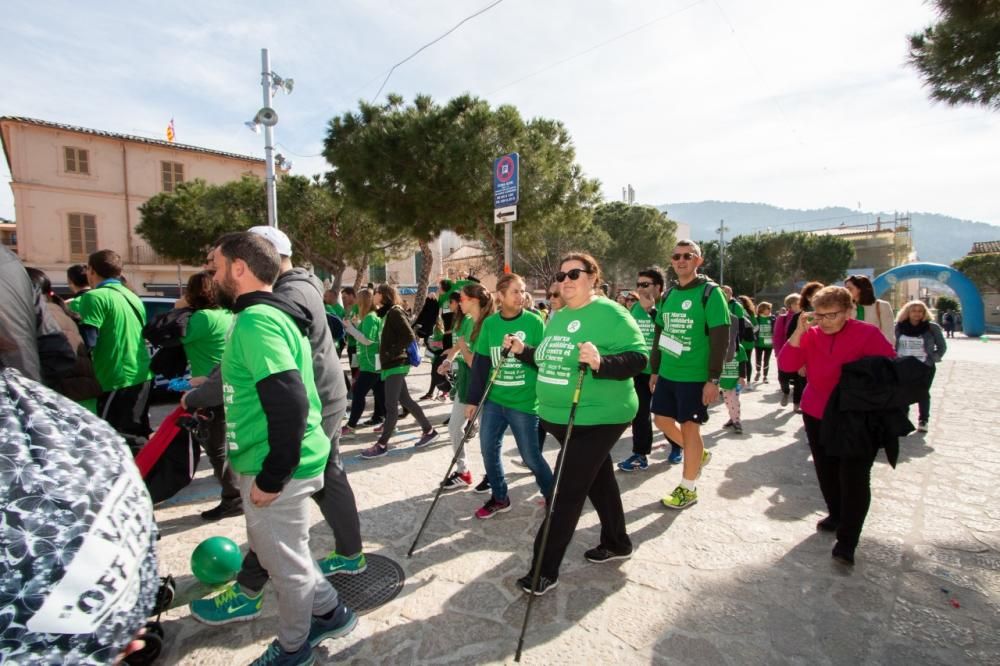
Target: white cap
276, 237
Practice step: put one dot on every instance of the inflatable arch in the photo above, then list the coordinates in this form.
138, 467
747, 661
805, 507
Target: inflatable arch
973, 309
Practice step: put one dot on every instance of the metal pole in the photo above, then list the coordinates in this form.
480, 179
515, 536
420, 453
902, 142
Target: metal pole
270, 183
722, 251
508, 246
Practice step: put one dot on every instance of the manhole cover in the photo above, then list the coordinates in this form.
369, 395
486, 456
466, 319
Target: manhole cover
377, 586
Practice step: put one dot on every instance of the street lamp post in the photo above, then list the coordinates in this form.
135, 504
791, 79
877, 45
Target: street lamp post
722, 250
271, 181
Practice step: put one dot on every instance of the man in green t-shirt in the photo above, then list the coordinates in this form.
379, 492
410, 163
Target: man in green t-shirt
649, 290
111, 322
692, 337
276, 443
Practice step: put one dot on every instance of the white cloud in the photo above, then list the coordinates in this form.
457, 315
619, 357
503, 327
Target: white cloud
792, 103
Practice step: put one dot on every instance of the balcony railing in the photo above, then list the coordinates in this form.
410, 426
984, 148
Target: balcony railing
146, 256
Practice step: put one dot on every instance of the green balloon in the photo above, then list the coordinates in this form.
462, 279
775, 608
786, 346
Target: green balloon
216, 560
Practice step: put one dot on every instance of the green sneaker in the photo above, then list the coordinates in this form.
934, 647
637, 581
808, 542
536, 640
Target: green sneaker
681, 498
335, 563
232, 605
706, 457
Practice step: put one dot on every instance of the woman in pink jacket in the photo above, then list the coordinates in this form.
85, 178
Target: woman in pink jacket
824, 341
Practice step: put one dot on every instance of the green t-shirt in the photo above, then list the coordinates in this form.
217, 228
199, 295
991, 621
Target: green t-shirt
463, 332
444, 300
74, 304
610, 328
336, 309
648, 328
765, 333
121, 358
514, 386
205, 339
371, 328
730, 374
684, 343
265, 341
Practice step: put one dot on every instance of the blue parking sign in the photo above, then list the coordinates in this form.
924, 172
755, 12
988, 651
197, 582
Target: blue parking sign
505, 180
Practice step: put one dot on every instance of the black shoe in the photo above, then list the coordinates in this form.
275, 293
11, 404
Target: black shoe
426, 396
446, 421
226, 509
738, 428
484, 485
728, 424
602, 554
828, 524
843, 555
544, 584
372, 422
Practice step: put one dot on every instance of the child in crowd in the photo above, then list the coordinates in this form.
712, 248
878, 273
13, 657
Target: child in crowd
765, 334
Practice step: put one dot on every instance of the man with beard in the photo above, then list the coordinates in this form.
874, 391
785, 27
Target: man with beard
276, 444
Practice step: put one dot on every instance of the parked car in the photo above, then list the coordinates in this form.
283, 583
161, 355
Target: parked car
157, 305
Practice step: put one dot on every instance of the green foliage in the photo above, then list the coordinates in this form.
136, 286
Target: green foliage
983, 269
758, 262
324, 231
946, 303
422, 168
958, 56
638, 237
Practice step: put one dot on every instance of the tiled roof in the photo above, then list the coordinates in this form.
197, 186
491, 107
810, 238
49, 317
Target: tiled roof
126, 137
986, 247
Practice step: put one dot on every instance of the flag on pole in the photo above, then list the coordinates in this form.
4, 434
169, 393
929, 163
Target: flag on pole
170, 131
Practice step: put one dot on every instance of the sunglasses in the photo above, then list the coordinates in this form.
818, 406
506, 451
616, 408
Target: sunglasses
686, 256
572, 274
554, 295
642, 285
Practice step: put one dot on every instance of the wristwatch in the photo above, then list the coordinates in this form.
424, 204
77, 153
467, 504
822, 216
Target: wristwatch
713, 381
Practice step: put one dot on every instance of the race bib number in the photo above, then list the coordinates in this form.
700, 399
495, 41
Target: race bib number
671, 345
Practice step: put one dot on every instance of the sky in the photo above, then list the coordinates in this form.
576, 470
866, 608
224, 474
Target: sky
798, 104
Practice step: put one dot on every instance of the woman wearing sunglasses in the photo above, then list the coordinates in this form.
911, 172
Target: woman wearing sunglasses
823, 341
596, 332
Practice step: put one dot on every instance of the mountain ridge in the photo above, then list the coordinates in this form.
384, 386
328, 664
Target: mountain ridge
936, 238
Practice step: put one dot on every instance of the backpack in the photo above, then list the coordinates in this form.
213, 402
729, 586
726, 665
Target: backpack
706, 292
746, 331
336, 325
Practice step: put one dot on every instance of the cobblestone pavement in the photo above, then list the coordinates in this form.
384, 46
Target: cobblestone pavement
740, 578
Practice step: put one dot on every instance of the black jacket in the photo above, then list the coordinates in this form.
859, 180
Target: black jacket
867, 410
396, 336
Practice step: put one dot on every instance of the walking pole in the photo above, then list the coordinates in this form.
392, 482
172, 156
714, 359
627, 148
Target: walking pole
469, 429
537, 573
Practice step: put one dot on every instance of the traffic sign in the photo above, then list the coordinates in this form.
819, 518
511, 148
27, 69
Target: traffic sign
505, 180
505, 214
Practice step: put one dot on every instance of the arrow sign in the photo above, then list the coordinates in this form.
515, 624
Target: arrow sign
505, 214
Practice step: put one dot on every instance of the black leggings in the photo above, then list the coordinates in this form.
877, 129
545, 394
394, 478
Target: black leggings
587, 473
763, 354
439, 382
792, 382
366, 381
845, 484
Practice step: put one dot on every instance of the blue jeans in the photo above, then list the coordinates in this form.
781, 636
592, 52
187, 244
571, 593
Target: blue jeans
492, 426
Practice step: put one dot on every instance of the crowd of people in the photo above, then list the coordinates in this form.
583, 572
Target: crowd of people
262, 342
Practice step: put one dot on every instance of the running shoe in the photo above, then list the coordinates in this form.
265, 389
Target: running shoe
232, 605
756, 377
634, 462
484, 485
372, 422
828, 524
676, 457
843, 555
346, 432
602, 554
335, 563
375, 451
457, 481
275, 655
784, 400
681, 498
544, 584
340, 623
728, 424
738, 428
426, 438
492, 508
922, 426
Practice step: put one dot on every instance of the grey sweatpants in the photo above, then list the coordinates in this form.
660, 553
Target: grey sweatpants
279, 536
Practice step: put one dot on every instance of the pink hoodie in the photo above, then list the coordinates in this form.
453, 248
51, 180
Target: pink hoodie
823, 355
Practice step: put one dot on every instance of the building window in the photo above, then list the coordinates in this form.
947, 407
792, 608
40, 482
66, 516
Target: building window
173, 175
82, 236
76, 160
